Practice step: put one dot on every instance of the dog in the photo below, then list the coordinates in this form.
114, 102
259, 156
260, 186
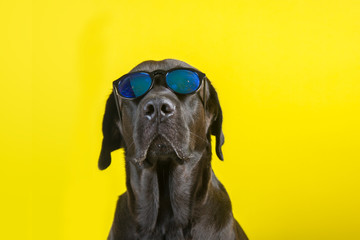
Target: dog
172, 191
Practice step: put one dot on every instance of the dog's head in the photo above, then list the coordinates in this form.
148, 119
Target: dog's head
161, 124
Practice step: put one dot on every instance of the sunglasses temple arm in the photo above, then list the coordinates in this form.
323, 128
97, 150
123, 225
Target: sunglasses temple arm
204, 95
117, 105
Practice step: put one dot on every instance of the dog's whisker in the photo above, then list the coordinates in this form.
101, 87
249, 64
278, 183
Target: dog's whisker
132, 143
195, 135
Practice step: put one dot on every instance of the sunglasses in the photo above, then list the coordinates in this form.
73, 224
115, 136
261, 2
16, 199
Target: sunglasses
181, 81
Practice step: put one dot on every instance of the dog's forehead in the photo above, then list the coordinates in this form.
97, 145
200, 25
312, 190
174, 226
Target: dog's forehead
167, 64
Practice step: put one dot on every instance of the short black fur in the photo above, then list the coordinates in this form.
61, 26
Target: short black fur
172, 191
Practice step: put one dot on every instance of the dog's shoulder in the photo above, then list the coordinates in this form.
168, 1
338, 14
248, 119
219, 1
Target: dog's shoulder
215, 216
123, 227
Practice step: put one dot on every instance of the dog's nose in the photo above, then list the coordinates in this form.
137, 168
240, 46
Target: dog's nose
159, 108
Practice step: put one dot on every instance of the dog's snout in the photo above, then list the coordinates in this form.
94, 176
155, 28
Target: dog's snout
159, 108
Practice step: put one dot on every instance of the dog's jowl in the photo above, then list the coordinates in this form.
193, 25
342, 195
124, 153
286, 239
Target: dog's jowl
163, 114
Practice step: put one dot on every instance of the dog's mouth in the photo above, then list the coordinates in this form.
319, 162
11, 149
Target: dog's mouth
160, 148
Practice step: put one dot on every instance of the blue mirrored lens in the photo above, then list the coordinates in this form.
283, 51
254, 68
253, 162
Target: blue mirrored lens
134, 85
183, 81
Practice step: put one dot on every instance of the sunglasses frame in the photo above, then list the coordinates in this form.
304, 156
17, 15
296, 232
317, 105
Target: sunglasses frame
152, 75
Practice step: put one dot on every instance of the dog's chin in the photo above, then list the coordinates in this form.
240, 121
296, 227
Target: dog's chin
161, 150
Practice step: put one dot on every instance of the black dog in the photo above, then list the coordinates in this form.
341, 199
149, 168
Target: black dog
172, 191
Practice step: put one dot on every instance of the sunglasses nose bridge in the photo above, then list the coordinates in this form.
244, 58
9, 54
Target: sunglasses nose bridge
159, 78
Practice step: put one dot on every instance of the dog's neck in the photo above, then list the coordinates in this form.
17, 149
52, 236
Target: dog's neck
165, 209
164, 193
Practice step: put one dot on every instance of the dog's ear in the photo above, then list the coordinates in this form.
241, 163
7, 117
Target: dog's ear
112, 137
216, 122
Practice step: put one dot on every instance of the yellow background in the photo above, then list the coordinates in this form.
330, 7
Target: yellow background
288, 77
